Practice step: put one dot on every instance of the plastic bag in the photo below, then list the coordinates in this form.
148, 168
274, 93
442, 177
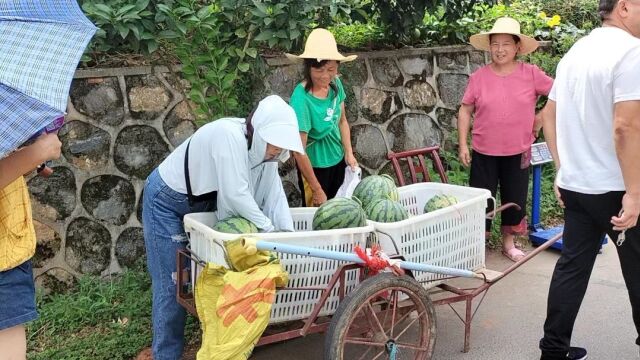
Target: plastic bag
351, 180
234, 306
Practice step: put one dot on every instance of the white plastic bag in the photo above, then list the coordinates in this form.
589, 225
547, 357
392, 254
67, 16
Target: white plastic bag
351, 180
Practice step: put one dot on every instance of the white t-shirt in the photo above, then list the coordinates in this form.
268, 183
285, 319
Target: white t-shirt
600, 70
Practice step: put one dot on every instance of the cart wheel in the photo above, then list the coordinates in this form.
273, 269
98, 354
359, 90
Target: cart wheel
385, 317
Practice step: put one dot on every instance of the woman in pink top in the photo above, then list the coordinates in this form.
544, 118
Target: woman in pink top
502, 95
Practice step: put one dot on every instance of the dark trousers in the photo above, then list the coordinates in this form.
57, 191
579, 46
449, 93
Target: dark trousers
330, 179
587, 218
511, 173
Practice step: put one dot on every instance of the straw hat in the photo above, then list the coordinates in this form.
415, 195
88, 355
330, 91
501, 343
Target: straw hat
321, 45
504, 25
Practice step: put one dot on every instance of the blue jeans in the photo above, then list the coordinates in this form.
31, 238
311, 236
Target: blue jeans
162, 213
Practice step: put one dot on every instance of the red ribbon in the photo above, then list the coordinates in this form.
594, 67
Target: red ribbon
374, 263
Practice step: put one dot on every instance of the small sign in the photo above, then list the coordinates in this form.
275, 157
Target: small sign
540, 153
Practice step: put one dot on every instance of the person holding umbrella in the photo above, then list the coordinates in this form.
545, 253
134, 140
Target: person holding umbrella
40, 46
231, 165
18, 243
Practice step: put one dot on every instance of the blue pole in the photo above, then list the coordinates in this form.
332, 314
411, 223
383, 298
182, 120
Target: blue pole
535, 197
341, 256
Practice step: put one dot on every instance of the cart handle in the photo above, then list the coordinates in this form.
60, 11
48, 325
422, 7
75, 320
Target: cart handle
252, 245
492, 214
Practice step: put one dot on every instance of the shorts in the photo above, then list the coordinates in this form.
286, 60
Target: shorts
17, 296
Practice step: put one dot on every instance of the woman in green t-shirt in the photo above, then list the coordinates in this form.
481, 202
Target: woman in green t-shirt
319, 105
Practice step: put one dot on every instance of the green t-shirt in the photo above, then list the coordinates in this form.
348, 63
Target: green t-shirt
319, 118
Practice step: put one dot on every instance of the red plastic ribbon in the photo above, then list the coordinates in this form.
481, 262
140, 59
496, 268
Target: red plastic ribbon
375, 263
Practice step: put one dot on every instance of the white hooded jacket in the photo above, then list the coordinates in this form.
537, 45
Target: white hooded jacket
219, 160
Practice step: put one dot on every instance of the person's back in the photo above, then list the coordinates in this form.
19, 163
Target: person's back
585, 95
592, 126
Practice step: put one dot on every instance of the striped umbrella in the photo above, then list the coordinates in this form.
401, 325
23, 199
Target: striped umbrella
41, 42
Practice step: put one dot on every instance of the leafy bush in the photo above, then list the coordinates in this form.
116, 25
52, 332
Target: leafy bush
581, 13
217, 44
282, 24
438, 30
123, 26
405, 17
213, 51
358, 36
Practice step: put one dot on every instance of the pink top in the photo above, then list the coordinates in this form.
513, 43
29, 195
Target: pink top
505, 108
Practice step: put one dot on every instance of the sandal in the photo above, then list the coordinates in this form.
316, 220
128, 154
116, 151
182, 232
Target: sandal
514, 254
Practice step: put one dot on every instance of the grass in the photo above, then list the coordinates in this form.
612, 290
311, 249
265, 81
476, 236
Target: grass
99, 319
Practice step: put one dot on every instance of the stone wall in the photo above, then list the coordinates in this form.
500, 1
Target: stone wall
123, 122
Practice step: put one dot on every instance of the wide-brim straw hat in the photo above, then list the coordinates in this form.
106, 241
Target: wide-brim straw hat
504, 25
321, 45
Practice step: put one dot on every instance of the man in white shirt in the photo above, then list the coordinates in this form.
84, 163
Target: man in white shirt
592, 126
229, 164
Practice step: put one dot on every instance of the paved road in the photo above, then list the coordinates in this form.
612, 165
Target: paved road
508, 325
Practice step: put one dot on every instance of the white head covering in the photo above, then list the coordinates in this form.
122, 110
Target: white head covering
274, 122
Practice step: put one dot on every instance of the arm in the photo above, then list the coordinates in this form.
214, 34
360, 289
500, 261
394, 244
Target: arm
537, 124
20, 162
626, 132
548, 115
271, 197
235, 196
304, 164
464, 125
345, 135
543, 84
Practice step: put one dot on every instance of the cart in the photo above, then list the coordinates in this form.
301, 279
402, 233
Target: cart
365, 316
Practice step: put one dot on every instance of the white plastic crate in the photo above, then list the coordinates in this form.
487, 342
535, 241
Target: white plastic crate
451, 237
289, 305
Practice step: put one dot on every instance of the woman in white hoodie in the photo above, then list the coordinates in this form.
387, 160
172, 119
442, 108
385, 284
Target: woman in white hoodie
230, 165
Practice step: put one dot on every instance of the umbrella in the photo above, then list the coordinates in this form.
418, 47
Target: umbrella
41, 42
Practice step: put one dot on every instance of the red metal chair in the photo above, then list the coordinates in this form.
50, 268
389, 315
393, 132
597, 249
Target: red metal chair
416, 162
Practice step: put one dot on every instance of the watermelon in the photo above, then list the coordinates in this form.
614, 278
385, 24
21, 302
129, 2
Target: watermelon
439, 202
376, 187
235, 225
385, 211
339, 213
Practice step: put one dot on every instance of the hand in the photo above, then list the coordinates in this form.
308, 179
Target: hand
350, 159
535, 132
319, 197
558, 196
48, 146
464, 155
628, 216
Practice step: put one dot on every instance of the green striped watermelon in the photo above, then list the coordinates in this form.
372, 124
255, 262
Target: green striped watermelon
439, 202
235, 225
339, 213
385, 210
376, 187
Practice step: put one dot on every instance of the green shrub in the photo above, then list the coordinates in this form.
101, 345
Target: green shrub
581, 13
358, 36
404, 18
123, 27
